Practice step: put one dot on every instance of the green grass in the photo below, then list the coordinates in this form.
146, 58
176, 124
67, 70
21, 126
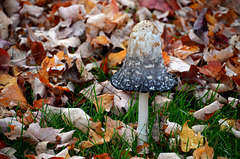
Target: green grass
223, 142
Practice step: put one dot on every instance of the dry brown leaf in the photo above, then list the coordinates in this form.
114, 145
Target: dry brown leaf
125, 132
208, 111
12, 96
212, 69
219, 56
204, 152
96, 139
184, 51
190, 140
122, 102
116, 58
7, 80
104, 102
38, 104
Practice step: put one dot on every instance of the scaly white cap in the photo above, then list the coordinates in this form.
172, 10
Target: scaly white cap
143, 69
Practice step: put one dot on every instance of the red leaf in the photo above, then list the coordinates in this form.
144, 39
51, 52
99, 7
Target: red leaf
3, 144
4, 61
192, 76
212, 69
163, 5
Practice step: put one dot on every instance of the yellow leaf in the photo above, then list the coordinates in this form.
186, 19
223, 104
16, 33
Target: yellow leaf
190, 140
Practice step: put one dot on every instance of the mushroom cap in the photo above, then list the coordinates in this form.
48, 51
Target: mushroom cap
143, 69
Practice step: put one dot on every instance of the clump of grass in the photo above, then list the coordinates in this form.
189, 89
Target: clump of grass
179, 111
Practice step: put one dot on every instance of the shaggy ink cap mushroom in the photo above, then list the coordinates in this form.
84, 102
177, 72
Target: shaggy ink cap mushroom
143, 69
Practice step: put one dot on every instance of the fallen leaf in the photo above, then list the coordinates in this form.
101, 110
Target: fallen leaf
204, 152
116, 58
172, 128
167, 155
230, 129
12, 96
205, 94
208, 111
77, 118
212, 69
192, 76
96, 139
162, 5
190, 140
104, 102
166, 58
38, 104
4, 61
102, 156
219, 56
6, 21
177, 65
200, 28
185, 51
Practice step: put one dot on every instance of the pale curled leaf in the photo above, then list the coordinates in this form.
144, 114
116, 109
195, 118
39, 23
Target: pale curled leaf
168, 155
207, 112
76, 117
235, 132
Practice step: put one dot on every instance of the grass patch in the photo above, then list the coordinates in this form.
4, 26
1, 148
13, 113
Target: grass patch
179, 111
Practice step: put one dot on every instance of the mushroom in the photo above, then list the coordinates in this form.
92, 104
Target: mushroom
143, 71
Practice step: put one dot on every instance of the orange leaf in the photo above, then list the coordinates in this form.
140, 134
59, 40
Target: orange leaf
30, 156
111, 9
204, 152
166, 58
104, 66
116, 58
37, 104
102, 156
12, 96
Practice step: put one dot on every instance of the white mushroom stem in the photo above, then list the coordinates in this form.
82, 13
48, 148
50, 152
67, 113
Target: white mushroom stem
142, 128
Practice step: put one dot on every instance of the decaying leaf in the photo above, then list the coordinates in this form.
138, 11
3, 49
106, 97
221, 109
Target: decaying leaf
208, 111
76, 117
235, 132
104, 102
167, 155
97, 139
184, 51
116, 58
124, 131
172, 128
204, 152
12, 97
190, 140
